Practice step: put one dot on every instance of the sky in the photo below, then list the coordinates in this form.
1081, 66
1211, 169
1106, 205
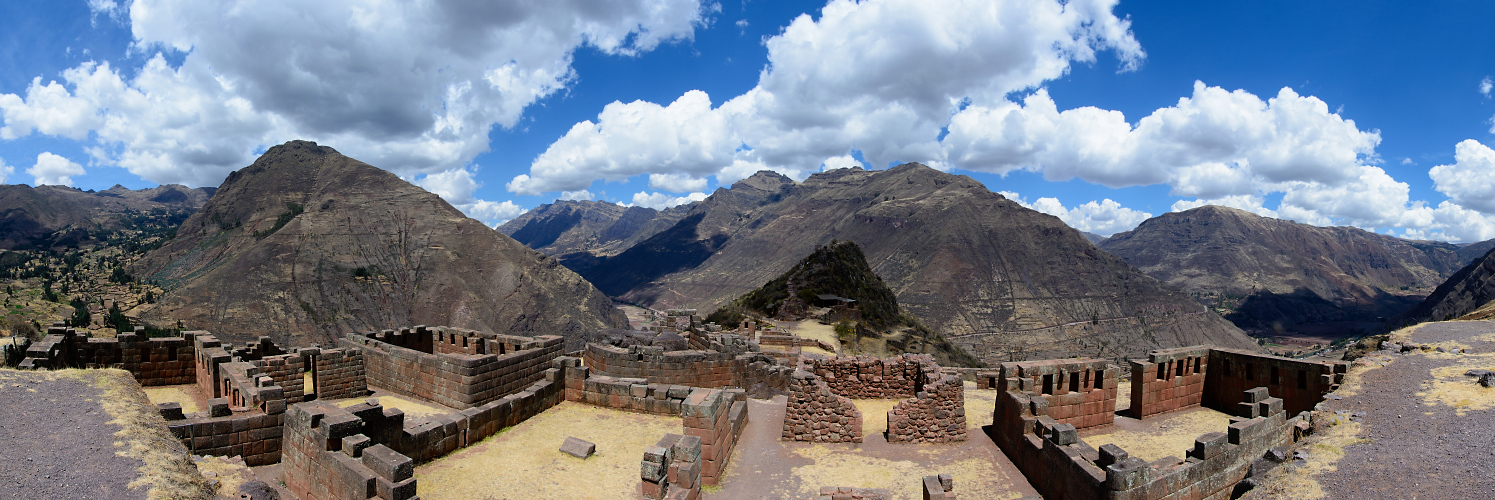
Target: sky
1374, 114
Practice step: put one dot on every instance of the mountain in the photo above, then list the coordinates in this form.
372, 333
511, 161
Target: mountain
999, 280
1470, 290
839, 271
1470, 252
1263, 271
1092, 237
597, 227
61, 217
307, 244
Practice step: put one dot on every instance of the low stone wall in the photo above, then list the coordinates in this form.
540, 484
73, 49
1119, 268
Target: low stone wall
695, 368
328, 456
678, 466
1300, 384
252, 434
339, 373
288, 372
813, 412
1060, 465
936, 414
1169, 380
454, 380
431, 437
153, 361
1081, 393
868, 377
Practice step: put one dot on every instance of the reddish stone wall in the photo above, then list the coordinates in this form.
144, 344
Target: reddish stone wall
455, 380
1170, 379
328, 456
1300, 384
155, 361
1081, 393
868, 377
340, 374
677, 466
254, 435
431, 437
815, 413
286, 371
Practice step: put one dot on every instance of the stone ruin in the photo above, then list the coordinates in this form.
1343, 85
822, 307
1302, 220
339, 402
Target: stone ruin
267, 404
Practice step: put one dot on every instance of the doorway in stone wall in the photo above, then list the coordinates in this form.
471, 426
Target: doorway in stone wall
309, 379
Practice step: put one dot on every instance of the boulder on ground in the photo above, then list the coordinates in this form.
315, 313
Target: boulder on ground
578, 448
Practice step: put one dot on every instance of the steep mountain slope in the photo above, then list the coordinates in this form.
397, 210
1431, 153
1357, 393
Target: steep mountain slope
1469, 290
65, 217
307, 243
840, 269
597, 227
1266, 271
997, 279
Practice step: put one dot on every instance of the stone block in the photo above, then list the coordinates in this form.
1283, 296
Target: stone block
1209, 445
1128, 474
578, 448
687, 449
218, 407
1255, 395
1063, 434
1245, 409
171, 410
652, 472
1270, 406
1110, 454
388, 463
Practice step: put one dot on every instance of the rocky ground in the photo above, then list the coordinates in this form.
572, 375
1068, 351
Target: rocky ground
1405, 425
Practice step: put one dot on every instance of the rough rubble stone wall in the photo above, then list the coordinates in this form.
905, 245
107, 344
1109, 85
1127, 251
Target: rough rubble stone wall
454, 380
935, 415
1081, 393
1060, 465
328, 456
815, 413
1300, 384
694, 368
868, 377
340, 373
1169, 380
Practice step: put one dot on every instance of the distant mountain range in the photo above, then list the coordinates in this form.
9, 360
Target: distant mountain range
1001, 281
1468, 294
598, 228
307, 244
1263, 272
61, 217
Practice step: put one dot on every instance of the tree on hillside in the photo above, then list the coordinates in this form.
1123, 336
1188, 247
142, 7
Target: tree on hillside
81, 318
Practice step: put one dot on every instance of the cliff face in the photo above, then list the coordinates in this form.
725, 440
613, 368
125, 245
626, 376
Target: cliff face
1261, 271
996, 279
307, 244
1470, 291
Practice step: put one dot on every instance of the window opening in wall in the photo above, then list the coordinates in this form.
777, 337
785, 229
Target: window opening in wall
1276, 380
1162, 372
1048, 384
1197, 364
1074, 382
1225, 367
1178, 367
1250, 372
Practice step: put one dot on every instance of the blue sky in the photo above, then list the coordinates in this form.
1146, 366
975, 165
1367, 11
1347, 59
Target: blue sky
1374, 114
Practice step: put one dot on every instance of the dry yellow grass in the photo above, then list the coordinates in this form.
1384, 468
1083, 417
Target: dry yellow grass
413, 409
1123, 393
230, 473
814, 330
1451, 387
875, 414
1171, 434
181, 394
524, 462
834, 465
979, 406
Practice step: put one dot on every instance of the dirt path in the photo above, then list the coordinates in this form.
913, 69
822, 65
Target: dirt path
81, 434
1424, 429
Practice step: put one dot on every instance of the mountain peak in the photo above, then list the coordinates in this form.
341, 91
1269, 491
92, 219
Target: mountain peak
765, 180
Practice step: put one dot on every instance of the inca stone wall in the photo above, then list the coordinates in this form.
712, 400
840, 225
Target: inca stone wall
1170, 379
936, 414
1081, 393
813, 412
455, 380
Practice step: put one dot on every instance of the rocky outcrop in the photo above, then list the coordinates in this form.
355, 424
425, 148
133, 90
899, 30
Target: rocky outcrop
1470, 290
307, 244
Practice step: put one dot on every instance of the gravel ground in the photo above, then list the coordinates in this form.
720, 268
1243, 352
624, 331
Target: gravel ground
1416, 445
84, 434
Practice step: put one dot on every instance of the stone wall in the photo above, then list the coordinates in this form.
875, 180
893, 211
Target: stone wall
936, 414
1300, 384
431, 437
868, 377
754, 371
1081, 392
1169, 380
328, 456
678, 466
253, 434
1060, 465
288, 372
153, 361
813, 412
455, 380
338, 373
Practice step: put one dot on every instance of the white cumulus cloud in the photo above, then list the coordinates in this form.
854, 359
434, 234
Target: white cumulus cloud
661, 201
1485, 85
457, 185
880, 76
1105, 217
5, 171
1470, 180
51, 169
414, 87
578, 195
